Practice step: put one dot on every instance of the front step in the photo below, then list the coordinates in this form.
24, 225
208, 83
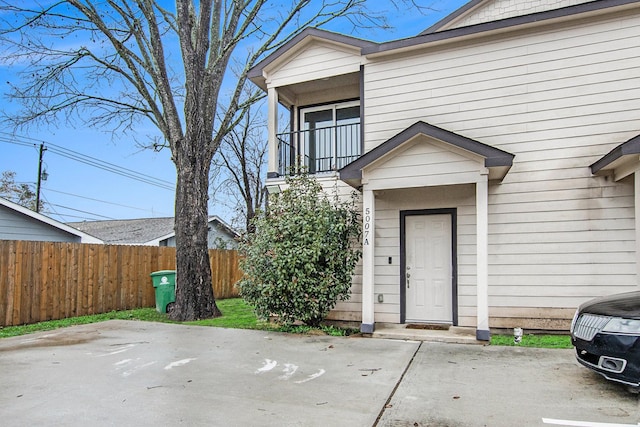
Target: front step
455, 334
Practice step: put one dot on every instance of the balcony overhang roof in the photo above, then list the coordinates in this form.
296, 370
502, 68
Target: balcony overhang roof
257, 74
621, 161
497, 161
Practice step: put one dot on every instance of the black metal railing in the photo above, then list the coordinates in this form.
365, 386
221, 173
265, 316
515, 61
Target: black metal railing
319, 150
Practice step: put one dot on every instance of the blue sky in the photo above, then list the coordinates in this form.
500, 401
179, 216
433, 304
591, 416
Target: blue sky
92, 193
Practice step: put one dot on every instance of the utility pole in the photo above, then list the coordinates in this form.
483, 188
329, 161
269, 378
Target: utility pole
42, 150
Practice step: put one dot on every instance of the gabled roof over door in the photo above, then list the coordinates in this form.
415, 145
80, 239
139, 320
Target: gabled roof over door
622, 161
424, 155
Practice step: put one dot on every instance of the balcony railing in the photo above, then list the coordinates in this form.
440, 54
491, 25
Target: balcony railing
318, 150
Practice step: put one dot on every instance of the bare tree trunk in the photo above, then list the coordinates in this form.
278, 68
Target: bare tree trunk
194, 291
250, 215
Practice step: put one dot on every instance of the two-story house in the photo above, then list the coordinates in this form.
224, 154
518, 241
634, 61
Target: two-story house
496, 154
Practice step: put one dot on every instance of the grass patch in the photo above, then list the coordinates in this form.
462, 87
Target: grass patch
530, 340
236, 314
323, 330
148, 314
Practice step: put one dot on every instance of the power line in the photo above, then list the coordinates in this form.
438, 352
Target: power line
66, 217
47, 202
24, 144
110, 167
78, 210
97, 200
88, 160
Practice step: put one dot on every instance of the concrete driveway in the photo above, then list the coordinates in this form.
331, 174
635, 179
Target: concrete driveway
462, 385
137, 373
126, 373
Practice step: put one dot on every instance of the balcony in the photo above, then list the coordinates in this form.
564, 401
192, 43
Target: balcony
318, 150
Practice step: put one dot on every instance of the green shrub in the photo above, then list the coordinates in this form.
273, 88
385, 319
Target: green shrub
300, 259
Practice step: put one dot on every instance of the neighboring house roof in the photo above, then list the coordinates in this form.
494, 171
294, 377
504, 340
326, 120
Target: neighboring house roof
140, 231
84, 237
493, 157
127, 231
212, 220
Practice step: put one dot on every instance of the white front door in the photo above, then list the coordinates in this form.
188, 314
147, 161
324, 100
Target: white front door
428, 269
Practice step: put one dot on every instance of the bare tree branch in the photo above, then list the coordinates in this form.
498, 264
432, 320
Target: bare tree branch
109, 64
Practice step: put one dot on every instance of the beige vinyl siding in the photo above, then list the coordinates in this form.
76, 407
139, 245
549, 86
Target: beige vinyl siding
329, 96
552, 80
558, 99
317, 60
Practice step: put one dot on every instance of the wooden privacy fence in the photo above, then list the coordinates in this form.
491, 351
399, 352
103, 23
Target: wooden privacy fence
46, 281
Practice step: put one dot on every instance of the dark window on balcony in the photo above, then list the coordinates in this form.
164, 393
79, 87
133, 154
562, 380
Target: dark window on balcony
348, 132
329, 139
318, 140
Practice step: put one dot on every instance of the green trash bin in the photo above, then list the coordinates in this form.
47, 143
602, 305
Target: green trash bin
164, 282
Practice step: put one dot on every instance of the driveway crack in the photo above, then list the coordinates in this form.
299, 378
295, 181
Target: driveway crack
395, 388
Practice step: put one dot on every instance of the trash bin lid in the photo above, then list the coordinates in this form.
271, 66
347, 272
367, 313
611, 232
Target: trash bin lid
162, 273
